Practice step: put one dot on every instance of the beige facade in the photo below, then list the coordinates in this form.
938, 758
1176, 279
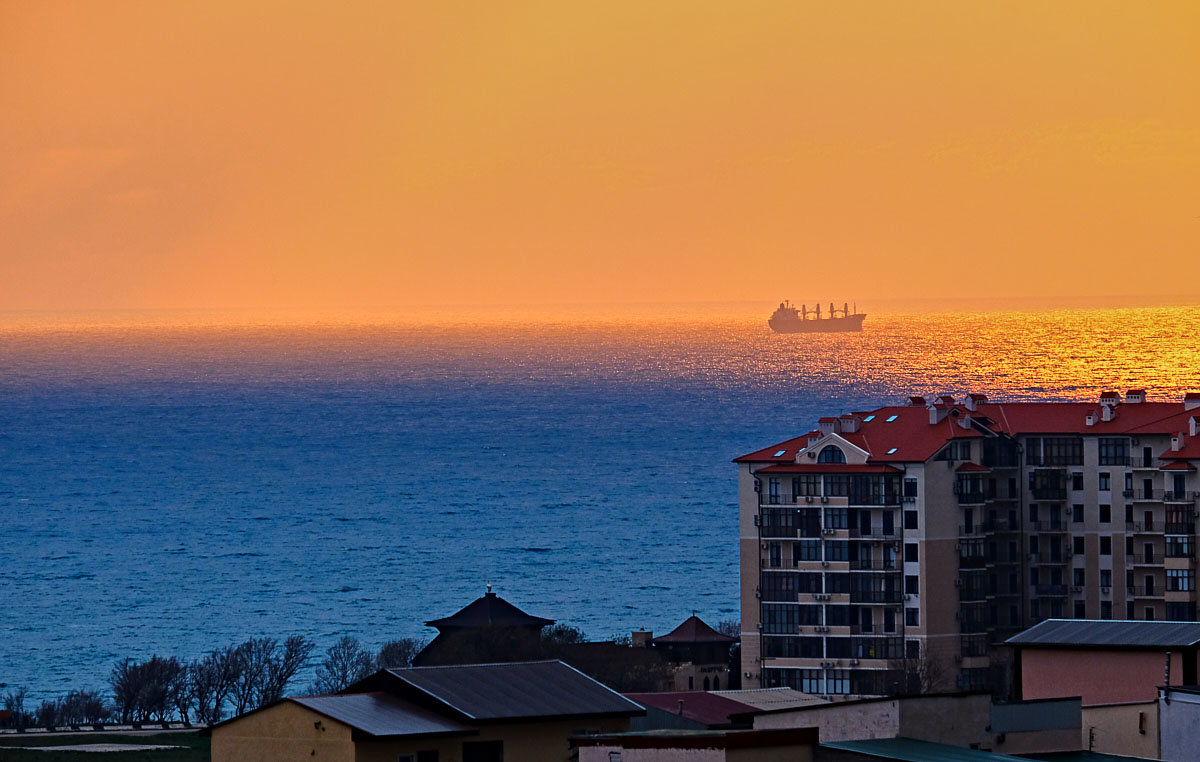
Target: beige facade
1129, 730
897, 549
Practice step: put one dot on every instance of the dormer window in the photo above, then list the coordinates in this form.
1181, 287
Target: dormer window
831, 454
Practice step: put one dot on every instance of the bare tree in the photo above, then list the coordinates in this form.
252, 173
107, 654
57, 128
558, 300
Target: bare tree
265, 669
562, 634
14, 704
397, 654
730, 627
142, 691
346, 662
212, 681
283, 667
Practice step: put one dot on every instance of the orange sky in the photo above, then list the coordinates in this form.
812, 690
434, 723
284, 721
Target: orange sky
273, 155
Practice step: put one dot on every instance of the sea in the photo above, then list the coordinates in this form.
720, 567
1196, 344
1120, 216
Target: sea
172, 484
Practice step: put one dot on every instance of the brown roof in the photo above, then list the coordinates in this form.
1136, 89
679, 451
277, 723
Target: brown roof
489, 611
693, 630
698, 706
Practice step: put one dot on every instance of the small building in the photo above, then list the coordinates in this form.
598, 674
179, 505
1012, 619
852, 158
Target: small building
699, 655
1103, 661
467, 713
700, 746
485, 631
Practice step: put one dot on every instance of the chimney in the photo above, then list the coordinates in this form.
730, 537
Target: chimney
813, 438
1135, 396
849, 424
964, 421
1193, 426
916, 402
1191, 400
1110, 398
1091, 418
641, 639
1106, 412
936, 414
1177, 442
973, 401
946, 399
829, 425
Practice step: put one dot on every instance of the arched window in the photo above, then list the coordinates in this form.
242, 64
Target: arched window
716, 683
706, 683
831, 454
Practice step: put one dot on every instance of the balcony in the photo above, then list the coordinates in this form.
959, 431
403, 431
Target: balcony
1147, 495
1180, 497
1146, 592
1147, 559
876, 501
876, 596
1050, 591
970, 497
875, 533
1139, 527
1116, 460
1179, 528
863, 564
1047, 526
972, 562
1049, 492
971, 530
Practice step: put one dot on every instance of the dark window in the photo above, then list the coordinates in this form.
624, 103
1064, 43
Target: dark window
1079, 577
1077, 480
1080, 611
910, 519
910, 552
912, 649
1114, 451
1105, 514
831, 454
1106, 609
1105, 545
912, 584
427, 756
1105, 481
1077, 545
910, 487
912, 617
483, 751
1077, 513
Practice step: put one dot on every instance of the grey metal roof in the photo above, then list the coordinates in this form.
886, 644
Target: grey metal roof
1105, 633
517, 690
379, 714
911, 750
489, 611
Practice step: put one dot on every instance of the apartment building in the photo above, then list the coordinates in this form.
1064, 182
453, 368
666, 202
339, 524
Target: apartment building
896, 549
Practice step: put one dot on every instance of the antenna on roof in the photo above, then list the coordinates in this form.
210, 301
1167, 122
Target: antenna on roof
489, 587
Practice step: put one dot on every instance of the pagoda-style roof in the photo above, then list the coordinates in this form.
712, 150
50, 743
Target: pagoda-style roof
693, 630
489, 611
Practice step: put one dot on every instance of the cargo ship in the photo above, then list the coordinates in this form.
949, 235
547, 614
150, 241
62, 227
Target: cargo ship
788, 319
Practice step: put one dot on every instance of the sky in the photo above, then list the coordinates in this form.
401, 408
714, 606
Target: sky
260, 155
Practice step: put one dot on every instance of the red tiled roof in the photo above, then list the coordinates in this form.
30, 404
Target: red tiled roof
915, 439
698, 706
972, 467
1179, 465
693, 630
829, 468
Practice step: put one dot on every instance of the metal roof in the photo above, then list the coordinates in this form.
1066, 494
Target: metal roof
1105, 633
489, 611
517, 690
699, 706
773, 698
911, 750
379, 714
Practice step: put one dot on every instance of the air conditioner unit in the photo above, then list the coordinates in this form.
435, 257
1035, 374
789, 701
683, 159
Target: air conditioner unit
824, 498
1076, 589
907, 596
854, 661
746, 675
826, 664
825, 564
758, 521
764, 546
1105, 590
757, 594
808, 498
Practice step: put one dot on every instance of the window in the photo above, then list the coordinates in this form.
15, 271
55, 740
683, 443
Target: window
911, 552
1105, 545
806, 550
1080, 611
831, 454
1106, 578
912, 617
810, 680
837, 550
912, 649
838, 681
1105, 481
1033, 511
836, 518
912, 584
1129, 610
1181, 546
1077, 513
1114, 451
1106, 514
1149, 611
1106, 609
1077, 545
809, 484
910, 487
1078, 577
780, 619
778, 587
910, 519
776, 550
773, 490
957, 450
1077, 481
1181, 579
891, 418
432, 756
483, 751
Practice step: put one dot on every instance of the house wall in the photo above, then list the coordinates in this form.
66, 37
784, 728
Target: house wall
749, 557
284, 731
532, 741
1125, 729
1179, 719
953, 720
1057, 672
851, 721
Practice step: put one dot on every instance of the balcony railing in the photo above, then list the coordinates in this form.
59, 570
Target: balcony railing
1145, 592
1185, 496
1147, 494
1147, 559
971, 530
1047, 526
858, 564
970, 497
1116, 460
1049, 492
876, 596
1179, 528
1050, 590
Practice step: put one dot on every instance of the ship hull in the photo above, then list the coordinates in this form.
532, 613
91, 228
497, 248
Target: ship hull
848, 324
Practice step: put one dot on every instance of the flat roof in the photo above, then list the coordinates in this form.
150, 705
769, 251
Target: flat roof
1108, 633
912, 750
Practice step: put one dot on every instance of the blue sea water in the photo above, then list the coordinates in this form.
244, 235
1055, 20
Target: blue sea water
174, 488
